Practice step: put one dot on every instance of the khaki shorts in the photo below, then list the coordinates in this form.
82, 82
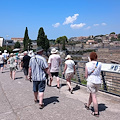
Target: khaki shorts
69, 75
12, 69
92, 88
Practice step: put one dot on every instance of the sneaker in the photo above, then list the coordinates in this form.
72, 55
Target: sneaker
41, 106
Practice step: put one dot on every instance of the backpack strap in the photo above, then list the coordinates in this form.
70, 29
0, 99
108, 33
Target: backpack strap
93, 69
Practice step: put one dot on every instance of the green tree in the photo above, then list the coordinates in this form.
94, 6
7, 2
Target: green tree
47, 44
30, 44
42, 40
112, 33
61, 40
26, 39
17, 45
58, 41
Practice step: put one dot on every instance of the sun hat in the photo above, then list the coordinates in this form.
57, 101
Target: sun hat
25, 52
39, 49
0, 52
5, 51
68, 56
11, 54
54, 51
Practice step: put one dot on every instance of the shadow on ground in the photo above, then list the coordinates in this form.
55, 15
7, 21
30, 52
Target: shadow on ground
50, 100
101, 107
18, 78
77, 87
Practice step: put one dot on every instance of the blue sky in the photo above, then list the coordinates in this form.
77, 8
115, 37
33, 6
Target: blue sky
72, 18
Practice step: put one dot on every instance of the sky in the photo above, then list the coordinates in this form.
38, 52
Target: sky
70, 18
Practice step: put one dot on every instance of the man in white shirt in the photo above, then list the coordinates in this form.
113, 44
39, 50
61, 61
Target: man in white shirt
54, 63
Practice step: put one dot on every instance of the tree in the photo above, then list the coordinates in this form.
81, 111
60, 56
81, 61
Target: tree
58, 40
26, 39
17, 45
112, 33
64, 40
42, 40
30, 44
47, 44
61, 40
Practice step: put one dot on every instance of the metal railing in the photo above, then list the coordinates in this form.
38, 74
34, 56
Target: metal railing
110, 81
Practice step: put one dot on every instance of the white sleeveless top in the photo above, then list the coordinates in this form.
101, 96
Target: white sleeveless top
95, 76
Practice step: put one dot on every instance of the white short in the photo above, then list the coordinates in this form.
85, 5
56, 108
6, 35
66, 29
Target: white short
92, 88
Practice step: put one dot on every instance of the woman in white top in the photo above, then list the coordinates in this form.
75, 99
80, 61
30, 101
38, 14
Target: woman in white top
69, 71
92, 74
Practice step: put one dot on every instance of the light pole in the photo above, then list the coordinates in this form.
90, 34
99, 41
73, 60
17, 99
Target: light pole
6, 41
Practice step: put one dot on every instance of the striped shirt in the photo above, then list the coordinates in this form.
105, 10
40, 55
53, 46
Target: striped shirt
37, 65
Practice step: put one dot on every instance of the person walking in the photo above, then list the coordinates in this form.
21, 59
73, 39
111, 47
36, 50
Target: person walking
5, 55
54, 61
1, 62
69, 71
92, 74
13, 62
37, 68
25, 61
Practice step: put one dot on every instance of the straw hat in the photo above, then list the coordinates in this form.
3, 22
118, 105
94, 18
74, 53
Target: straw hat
68, 57
5, 51
11, 54
25, 52
54, 51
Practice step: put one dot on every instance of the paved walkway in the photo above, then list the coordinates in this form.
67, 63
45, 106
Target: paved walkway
16, 102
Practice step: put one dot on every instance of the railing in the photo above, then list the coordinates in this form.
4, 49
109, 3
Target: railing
110, 80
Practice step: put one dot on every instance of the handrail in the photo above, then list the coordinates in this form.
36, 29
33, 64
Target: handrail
109, 85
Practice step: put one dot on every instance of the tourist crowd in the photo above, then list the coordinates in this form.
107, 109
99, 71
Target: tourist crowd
37, 69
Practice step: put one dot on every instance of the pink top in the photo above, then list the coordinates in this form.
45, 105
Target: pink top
54, 61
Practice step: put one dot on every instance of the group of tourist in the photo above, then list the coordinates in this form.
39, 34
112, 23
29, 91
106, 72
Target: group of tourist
36, 68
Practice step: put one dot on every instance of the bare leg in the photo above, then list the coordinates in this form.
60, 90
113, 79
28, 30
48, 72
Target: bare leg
11, 74
1, 69
36, 95
69, 83
50, 82
90, 100
41, 95
95, 103
26, 77
58, 82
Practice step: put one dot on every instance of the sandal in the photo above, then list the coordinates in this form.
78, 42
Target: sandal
86, 106
94, 114
71, 91
36, 101
41, 106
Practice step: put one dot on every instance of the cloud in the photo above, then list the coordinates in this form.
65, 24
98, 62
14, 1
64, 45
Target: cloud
56, 25
103, 24
87, 28
96, 25
70, 19
77, 26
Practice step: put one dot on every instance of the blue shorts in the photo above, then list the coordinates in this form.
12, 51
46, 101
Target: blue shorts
39, 86
2, 64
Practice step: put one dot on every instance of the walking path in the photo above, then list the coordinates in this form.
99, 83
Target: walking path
17, 102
